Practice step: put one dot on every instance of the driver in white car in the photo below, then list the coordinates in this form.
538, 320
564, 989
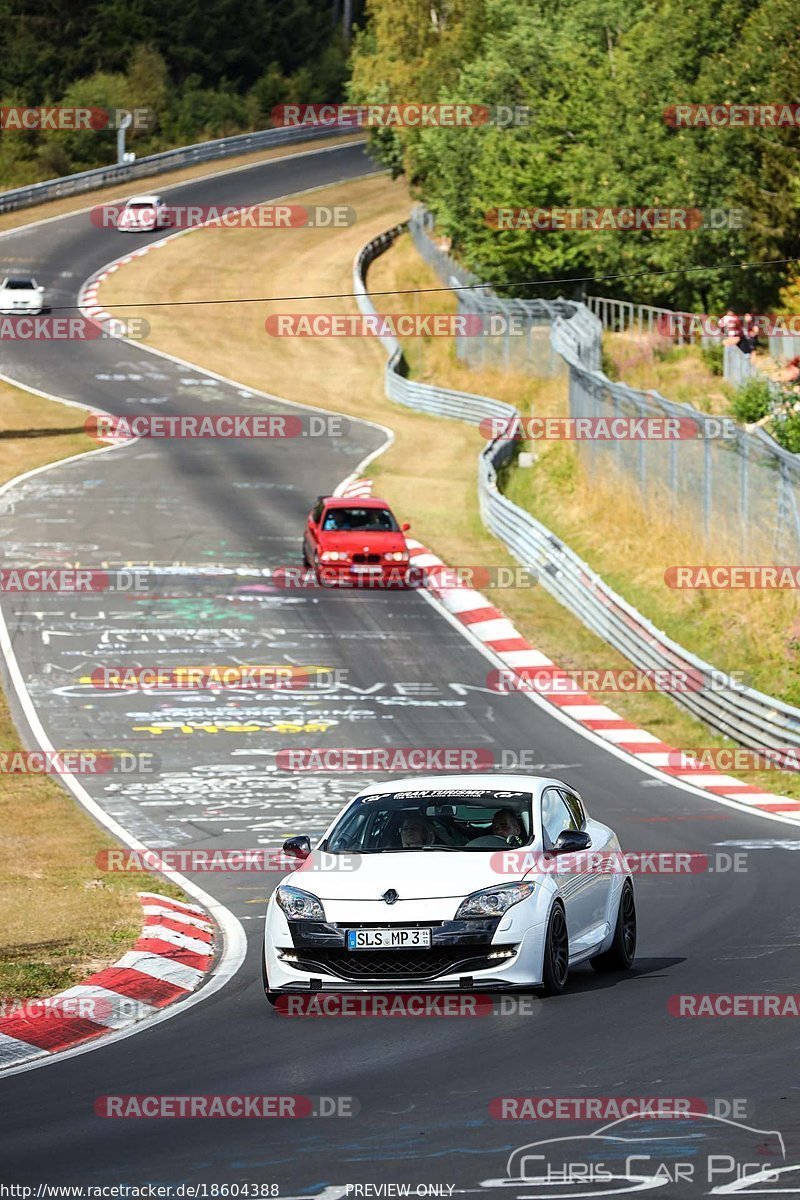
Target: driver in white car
416, 832
506, 824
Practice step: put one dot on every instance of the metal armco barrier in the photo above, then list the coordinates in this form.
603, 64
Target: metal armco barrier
157, 164
439, 402
747, 716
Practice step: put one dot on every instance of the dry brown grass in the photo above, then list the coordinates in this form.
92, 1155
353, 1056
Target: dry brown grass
35, 431
429, 473
62, 917
652, 363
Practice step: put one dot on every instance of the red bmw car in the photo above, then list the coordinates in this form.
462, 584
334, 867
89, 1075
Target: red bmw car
355, 541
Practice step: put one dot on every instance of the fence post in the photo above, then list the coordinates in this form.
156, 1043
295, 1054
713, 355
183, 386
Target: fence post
706, 489
673, 475
781, 514
743, 446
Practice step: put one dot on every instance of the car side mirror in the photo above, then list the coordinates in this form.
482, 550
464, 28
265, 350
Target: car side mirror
297, 847
571, 840
405, 527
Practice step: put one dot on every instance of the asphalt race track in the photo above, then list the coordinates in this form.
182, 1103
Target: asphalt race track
422, 1087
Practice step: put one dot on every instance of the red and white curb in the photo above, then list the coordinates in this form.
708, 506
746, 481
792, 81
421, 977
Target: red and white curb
495, 631
87, 297
353, 489
168, 962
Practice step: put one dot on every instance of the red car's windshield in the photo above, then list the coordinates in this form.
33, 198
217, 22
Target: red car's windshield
360, 519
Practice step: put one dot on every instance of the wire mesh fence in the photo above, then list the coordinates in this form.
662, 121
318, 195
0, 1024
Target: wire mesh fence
735, 485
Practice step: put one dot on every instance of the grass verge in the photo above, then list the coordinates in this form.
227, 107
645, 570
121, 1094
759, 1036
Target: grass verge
651, 362
62, 917
429, 473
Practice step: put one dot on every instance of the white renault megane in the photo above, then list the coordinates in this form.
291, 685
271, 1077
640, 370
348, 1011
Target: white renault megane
456, 882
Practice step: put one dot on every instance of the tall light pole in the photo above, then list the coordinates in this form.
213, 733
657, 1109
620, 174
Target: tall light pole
124, 123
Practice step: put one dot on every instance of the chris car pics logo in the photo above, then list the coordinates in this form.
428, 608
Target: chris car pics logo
708, 1155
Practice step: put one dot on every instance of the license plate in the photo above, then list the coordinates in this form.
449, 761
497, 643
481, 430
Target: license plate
387, 939
366, 569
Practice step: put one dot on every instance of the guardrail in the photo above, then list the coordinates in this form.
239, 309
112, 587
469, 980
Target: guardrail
156, 164
747, 716
438, 401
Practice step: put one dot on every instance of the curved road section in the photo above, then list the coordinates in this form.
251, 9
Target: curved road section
414, 1102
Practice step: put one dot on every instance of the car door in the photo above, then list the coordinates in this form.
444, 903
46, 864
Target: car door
311, 535
598, 882
575, 886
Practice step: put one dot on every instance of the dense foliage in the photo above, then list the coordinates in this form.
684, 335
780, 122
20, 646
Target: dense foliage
205, 69
597, 76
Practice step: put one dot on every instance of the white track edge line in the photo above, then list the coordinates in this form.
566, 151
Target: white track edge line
234, 940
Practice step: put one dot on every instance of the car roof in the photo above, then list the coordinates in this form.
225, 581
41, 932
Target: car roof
471, 781
147, 198
354, 502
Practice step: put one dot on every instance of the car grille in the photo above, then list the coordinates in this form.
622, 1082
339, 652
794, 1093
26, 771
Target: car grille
366, 558
401, 965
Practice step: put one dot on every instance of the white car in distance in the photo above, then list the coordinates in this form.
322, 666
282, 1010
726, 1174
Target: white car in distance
143, 214
21, 294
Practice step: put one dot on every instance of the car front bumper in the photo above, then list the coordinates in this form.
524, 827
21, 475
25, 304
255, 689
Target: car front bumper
28, 308
367, 575
314, 957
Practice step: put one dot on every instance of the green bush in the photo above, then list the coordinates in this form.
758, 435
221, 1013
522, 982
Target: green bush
785, 428
752, 401
713, 356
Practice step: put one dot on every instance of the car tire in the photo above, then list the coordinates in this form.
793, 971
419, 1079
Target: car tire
620, 954
555, 967
272, 997
306, 562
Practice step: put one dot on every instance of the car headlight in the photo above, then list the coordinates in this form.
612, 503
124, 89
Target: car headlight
396, 556
299, 905
333, 555
492, 902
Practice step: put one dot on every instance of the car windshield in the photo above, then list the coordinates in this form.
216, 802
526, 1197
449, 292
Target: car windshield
359, 519
18, 285
452, 819
147, 205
